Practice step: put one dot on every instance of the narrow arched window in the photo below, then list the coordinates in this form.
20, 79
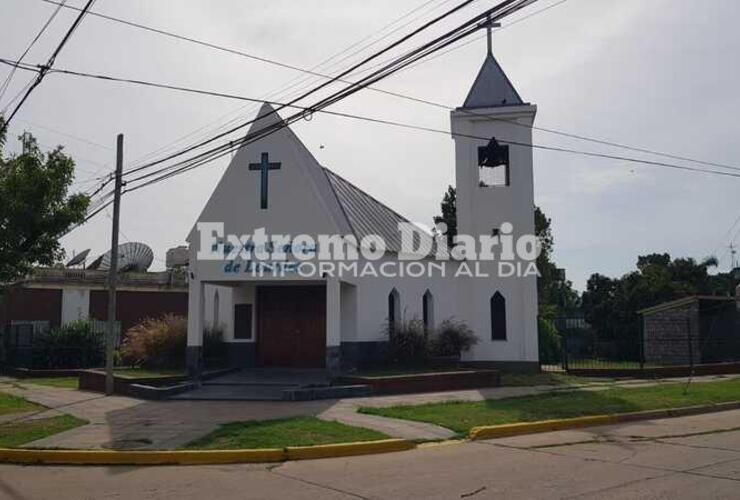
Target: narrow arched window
216, 307
427, 310
394, 300
498, 317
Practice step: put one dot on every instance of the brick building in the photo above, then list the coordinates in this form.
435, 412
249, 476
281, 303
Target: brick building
52, 297
702, 329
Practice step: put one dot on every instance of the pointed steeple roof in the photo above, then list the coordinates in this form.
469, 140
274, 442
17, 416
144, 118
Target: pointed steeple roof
492, 88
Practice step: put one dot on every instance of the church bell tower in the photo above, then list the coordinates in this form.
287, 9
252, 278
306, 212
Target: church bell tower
492, 131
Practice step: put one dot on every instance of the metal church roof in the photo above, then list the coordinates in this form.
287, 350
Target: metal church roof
492, 88
365, 214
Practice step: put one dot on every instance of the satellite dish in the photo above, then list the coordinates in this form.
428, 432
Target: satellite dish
132, 257
78, 259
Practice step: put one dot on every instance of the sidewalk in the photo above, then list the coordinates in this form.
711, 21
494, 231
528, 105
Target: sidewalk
120, 422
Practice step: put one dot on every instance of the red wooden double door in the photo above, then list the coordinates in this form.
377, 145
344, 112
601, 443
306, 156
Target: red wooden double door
291, 326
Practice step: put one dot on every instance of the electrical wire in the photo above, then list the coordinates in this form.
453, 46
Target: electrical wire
49, 63
8, 79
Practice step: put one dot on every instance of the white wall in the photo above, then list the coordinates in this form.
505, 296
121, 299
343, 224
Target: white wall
75, 304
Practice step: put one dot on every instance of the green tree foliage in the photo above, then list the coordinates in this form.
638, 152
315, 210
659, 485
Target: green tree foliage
556, 294
611, 304
449, 214
35, 207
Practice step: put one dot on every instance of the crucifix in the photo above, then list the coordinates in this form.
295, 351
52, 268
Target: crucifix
489, 28
264, 166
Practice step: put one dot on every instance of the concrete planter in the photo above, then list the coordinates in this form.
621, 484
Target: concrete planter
427, 382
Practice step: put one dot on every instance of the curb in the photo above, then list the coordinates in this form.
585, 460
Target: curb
200, 457
507, 430
518, 429
347, 449
28, 456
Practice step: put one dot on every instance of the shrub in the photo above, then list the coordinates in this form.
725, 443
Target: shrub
406, 342
549, 341
451, 338
73, 345
214, 348
156, 343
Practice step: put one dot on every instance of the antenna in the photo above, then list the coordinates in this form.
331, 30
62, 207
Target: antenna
733, 254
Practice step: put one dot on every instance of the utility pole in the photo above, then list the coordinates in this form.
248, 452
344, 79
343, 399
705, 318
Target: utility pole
113, 271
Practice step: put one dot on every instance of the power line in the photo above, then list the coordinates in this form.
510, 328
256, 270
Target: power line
182, 168
240, 52
299, 80
504, 8
50, 62
475, 39
402, 96
499, 11
6, 83
66, 134
386, 122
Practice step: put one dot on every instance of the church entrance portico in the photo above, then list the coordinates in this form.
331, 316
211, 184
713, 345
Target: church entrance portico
291, 326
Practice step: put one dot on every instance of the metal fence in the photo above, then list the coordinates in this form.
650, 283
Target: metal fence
692, 339
23, 345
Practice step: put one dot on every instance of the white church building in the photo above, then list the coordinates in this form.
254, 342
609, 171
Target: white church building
337, 322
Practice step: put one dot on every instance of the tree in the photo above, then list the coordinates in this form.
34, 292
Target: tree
556, 294
611, 304
35, 207
449, 214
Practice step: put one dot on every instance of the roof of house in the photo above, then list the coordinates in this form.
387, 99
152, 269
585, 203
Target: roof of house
46, 277
492, 88
684, 302
366, 215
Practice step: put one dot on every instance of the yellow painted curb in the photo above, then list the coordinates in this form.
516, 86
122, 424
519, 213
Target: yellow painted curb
506, 430
348, 449
199, 457
109, 457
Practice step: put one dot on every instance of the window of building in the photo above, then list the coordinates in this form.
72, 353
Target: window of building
498, 317
493, 165
394, 303
243, 321
216, 307
427, 310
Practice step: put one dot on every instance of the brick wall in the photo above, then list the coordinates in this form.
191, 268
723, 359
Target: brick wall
28, 304
666, 336
133, 307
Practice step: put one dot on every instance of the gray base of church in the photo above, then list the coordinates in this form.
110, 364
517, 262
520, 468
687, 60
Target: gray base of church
363, 354
505, 366
194, 360
241, 354
333, 359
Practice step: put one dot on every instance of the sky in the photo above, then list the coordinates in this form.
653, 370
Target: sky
661, 75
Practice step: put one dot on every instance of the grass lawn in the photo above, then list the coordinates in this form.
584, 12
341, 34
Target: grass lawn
146, 373
13, 404
298, 431
461, 416
24, 431
392, 371
62, 382
544, 378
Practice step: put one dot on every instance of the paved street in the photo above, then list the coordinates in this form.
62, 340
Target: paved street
126, 423
688, 457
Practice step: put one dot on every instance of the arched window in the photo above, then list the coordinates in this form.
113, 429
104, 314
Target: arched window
394, 306
427, 310
216, 307
498, 317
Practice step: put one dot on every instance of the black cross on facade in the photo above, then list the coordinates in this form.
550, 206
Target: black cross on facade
264, 166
